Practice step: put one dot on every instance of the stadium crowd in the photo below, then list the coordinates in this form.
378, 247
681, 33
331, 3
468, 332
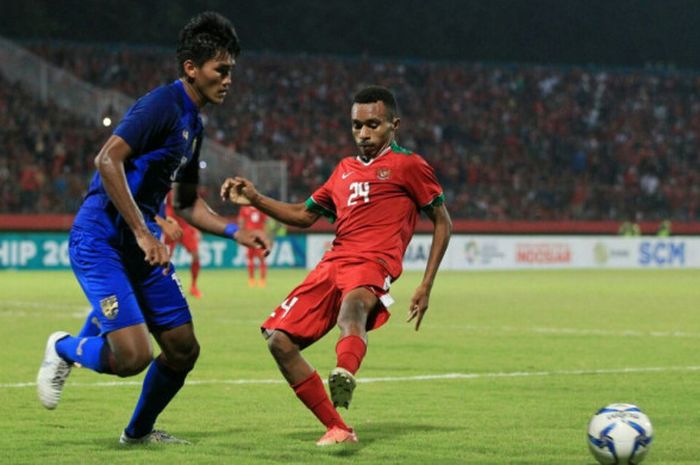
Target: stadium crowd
508, 141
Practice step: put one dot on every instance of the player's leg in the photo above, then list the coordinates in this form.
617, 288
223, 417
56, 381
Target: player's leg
307, 314
352, 344
263, 268
169, 318
91, 327
308, 387
124, 349
163, 380
250, 260
190, 240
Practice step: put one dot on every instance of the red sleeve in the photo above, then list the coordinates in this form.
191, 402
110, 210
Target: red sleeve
321, 201
422, 184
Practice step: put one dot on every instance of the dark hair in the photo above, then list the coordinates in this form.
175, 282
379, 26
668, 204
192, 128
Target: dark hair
371, 94
204, 37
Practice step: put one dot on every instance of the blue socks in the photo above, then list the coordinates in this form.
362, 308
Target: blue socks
159, 387
90, 352
91, 326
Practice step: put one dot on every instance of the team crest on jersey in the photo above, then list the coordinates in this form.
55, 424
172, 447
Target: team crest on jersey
110, 307
186, 134
383, 173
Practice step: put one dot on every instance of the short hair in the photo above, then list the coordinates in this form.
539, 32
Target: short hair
371, 94
204, 37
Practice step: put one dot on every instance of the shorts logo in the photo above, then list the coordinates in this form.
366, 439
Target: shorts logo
110, 307
383, 173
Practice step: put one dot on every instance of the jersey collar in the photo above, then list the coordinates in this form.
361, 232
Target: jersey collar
381, 154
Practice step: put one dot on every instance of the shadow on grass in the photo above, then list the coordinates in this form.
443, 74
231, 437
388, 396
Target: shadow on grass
195, 437
368, 433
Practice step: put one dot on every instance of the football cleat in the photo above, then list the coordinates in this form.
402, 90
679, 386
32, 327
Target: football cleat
52, 373
154, 437
341, 383
337, 435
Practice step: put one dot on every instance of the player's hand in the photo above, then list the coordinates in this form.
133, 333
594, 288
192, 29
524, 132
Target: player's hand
155, 252
172, 229
238, 190
253, 239
419, 305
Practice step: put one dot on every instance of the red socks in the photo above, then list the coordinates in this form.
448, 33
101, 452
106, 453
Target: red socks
313, 394
350, 350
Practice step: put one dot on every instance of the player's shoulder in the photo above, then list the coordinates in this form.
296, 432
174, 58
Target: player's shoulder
400, 150
405, 156
162, 99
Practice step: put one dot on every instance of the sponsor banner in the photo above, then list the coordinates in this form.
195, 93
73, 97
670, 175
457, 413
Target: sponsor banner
50, 251
483, 252
546, 252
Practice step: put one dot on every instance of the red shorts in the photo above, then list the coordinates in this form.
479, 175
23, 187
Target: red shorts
311, 310
189, 239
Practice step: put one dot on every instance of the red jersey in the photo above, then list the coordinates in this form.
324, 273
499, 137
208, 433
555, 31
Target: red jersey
252, 218
376, 205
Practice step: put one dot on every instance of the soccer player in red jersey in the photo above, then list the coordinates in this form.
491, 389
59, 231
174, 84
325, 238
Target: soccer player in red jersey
250, 217
375, 199
189, 239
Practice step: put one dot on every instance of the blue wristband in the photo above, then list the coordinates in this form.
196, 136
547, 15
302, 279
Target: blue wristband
230, 230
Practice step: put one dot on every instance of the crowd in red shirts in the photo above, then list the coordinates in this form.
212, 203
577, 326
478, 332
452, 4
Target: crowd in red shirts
507, 141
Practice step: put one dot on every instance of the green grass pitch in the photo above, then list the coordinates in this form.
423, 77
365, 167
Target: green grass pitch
507, 369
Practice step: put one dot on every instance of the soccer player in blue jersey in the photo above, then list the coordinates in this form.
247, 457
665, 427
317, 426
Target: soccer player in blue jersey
114, 248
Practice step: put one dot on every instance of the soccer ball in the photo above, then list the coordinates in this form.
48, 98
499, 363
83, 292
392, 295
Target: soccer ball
619, 434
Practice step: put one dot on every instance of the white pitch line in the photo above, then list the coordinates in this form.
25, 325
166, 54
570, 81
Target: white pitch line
393, 379
573, 331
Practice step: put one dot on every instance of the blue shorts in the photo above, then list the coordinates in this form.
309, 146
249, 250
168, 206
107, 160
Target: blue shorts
124, 288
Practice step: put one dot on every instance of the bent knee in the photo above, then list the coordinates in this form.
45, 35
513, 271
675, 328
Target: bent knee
131, 364
280, 346
184, 358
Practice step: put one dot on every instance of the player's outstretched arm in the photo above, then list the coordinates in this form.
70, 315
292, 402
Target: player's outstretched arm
110, 164
441, 238
193, 209
242, 192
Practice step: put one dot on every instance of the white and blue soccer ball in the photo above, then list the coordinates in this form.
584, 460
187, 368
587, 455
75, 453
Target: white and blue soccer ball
620, 434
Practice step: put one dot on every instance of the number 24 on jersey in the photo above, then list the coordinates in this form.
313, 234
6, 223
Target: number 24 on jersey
358, 190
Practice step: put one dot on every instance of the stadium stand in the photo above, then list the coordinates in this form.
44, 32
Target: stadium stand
509, 142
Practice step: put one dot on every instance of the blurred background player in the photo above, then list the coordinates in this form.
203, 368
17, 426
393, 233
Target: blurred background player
189, 238
376, 198
115, 253
251, 218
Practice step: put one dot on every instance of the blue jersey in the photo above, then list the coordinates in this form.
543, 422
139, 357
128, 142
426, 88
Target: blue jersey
164, 130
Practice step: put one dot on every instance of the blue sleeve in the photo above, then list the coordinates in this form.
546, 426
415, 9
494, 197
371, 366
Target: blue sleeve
149, 121
189, 174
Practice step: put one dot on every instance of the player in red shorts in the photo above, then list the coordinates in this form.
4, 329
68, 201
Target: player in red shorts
189, 239
250, 217
376, 198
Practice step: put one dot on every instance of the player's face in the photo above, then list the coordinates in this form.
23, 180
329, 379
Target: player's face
213, 79
372, 128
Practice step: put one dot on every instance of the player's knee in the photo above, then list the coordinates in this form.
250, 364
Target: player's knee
132, 363
184, 358
281, 347
353, 315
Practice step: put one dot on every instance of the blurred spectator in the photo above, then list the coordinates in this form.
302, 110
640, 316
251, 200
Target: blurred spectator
507, 142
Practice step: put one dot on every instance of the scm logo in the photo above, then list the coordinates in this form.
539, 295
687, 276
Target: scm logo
662, 253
